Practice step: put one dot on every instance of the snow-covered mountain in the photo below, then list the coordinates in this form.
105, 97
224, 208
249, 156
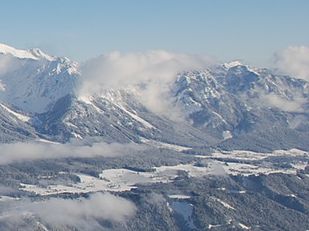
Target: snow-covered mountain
32, 80
231, 106
248, 105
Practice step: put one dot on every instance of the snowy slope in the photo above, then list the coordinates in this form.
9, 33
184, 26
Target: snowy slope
21, 54
14, 126
245, 106
32, 80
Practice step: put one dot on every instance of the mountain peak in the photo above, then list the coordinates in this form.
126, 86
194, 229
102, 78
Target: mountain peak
34, 54
232, 64
40, 54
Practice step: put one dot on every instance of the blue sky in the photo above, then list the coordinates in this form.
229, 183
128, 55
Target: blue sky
227, 29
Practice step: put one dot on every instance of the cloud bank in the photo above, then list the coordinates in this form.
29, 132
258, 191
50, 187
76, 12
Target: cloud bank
294, 60
150, 72
34, 150
83, 213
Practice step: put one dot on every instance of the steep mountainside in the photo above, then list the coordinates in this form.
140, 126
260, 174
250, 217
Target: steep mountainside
246, 107
32, 81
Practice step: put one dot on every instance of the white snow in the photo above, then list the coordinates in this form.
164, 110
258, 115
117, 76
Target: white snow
250, 169
240, 168
88, 100
145, 123
19, 116
300, 165
40, 226
40, 54
238, 63
46, 141
34, 53
115, 100
249, 155
22, 54
70, 124
159, 144
118, 180
87, 184
125, 179
227, 135
232, 191
169, 206
242, 191
193, 171
114, 180
179, 196
259, 167
293, 152
226, 205
219, 116
77, 136
35, 86
210, 226
244, 226
232, 64
2, 86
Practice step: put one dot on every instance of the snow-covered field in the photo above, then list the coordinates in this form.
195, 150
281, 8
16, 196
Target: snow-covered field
249, 155
255, 163
117, 180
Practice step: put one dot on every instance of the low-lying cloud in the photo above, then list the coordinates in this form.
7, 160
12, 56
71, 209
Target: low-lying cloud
150, 72
295, 105
35, 150
6, 64
82, 213
294, 60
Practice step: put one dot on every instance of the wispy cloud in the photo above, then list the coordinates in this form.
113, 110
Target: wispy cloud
82, 213
35, 150
295, 105
151, 72
294, 60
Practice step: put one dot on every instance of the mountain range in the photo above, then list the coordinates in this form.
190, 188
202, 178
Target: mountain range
112, 144
224, 106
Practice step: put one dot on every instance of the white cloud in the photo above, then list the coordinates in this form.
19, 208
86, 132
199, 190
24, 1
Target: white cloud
295, 105
151, 72
2, 85
34, 150
97, 206
5, 64
294, 60
83, 213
